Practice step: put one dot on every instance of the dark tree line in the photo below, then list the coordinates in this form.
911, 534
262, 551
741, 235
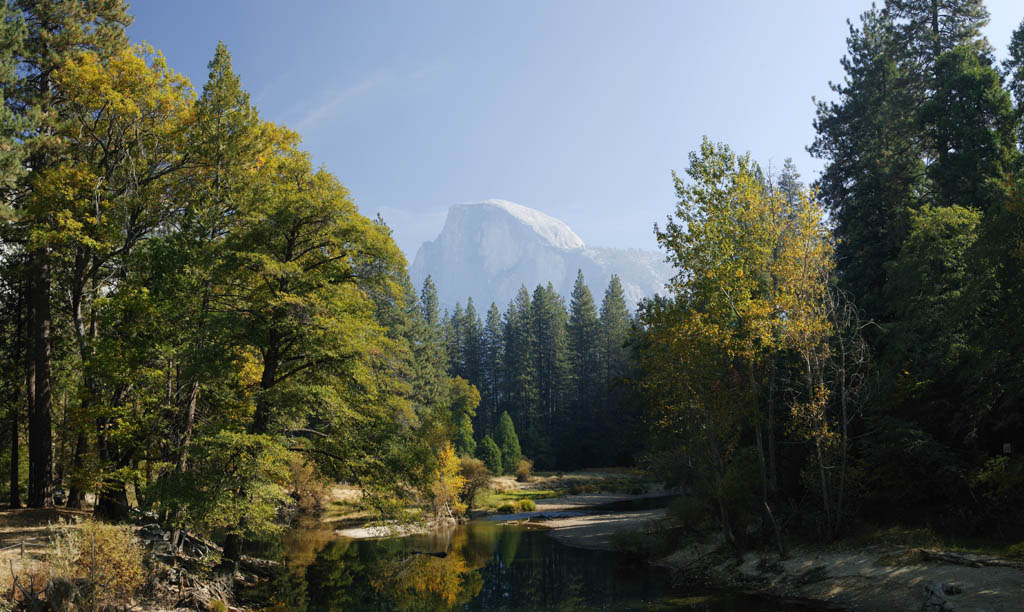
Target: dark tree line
924, 181
554, 368
808, 373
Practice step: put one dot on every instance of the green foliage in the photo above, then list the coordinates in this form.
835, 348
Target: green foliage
490, 454
465, 444
528, 505
237, 483
508, 443
1000, 483
464, 399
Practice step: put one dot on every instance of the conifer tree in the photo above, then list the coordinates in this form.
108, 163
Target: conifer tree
472, 345
508, 443
493, 374
56, 32
520, 364
490, 454
428, 302
454, 337
581, 429
548, 319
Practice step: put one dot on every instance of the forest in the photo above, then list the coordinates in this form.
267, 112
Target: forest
195, 317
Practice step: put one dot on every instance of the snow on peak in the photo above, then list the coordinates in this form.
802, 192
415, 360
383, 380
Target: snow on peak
553, 230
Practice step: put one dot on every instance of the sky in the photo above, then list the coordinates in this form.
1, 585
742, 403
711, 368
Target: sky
581, 109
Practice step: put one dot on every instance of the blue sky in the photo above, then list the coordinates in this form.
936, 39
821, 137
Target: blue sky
580, 109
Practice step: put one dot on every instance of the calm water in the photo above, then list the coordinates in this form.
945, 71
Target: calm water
486, 566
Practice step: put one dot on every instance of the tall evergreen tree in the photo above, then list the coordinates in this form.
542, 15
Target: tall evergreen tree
549, 320
472, 345
428, 302
493, 373
56, 32
874, 174
454, 336
521, 392
582, 439
615, 326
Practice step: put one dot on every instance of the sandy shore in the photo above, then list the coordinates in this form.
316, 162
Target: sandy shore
596, 531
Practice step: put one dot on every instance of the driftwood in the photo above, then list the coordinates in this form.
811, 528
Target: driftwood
969, 560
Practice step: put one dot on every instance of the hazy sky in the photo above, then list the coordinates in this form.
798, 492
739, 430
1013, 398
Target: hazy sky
580, 109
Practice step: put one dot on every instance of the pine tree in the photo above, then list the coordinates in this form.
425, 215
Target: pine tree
615, 359
472, 345
428, 302
508, 443
56, 32
12, 127
549, 320
454, 338
581, 433
1013, 68
875, 170
493, 374
490, 454
520, 365
970, 125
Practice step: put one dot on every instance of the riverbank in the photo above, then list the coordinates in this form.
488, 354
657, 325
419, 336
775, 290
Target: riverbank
870, 579
873, 578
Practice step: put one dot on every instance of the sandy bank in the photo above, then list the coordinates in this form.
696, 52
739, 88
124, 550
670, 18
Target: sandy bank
596, 531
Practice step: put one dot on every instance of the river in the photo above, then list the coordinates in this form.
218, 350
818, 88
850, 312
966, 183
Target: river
481, 566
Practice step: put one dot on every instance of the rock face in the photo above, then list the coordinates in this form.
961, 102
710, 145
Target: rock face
489, 249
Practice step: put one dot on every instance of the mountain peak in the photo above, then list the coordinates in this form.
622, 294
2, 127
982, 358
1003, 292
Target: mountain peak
487, 250
554, 231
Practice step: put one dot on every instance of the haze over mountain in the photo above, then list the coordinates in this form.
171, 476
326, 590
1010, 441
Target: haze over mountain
487, 250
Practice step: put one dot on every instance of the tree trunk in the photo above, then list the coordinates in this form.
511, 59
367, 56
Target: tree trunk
759, 435
76, 495
232, 552
112, 503
261, 420
21, 329
40, 434
15, 497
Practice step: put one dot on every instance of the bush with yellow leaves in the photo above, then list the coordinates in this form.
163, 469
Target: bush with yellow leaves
94, 565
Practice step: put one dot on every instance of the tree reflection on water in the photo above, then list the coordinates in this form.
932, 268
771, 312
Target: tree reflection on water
475, 567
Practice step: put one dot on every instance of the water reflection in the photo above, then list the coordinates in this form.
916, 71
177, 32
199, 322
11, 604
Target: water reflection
480, 566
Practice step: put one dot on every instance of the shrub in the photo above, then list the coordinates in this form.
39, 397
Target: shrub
508, 508
1016, 550
307, 486
101, 563
477, 477
691, 513
524, 470
528, 505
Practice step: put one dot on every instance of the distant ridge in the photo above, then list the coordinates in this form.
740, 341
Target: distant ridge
488, 249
